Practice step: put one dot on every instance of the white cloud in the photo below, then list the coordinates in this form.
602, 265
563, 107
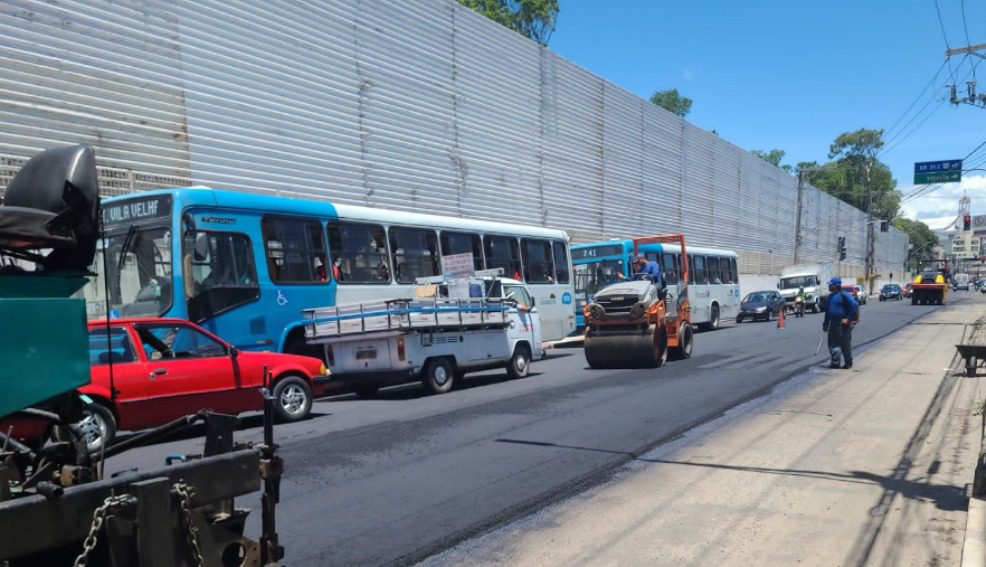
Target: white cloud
943, 200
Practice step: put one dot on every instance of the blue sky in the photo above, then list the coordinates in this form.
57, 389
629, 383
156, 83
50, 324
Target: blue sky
794, 75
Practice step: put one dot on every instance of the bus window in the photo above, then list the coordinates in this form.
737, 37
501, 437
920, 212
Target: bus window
733, 273
537, 261
359, 253
463, 243
503, 252
219, 272
561, 261
295, 250
701, 277
669, 268
726, 270
712, 267
415, 253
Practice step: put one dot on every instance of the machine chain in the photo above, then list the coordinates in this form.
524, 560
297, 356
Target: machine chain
99, 515
184, 493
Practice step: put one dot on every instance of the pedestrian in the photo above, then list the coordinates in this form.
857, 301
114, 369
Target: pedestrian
841, 315
647, 267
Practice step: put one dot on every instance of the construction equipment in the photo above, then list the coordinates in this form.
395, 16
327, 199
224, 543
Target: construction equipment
931, 284
56, 507
635, 324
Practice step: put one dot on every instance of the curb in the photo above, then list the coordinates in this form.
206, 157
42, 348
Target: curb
974, 546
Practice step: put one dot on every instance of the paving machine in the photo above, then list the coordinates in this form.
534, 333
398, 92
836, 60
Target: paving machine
637, 323
56, 506
930, 286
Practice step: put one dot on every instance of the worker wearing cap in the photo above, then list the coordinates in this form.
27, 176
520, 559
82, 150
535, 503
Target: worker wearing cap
841, 315
648, 267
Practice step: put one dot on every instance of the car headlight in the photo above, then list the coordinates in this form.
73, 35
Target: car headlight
760, 309
637, 310
324, 369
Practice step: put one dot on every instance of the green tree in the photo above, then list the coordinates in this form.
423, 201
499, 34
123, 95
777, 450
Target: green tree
672, 101
773, 157
854, 171
532, 18
922, 240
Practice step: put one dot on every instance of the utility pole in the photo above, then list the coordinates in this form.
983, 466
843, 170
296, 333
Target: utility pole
971, 96
797, 219
869, 230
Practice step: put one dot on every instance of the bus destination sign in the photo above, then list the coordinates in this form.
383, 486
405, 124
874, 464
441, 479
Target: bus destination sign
137, 210
597, 251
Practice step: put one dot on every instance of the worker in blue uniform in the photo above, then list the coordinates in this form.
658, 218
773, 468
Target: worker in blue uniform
841, 315
647, 267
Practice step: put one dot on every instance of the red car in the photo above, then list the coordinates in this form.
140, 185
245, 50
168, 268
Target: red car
164, 369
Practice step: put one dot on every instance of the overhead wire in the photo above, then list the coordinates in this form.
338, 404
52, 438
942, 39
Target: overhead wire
941, 24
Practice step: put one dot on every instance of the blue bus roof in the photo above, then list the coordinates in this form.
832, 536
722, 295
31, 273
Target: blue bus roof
627, 245
206, 196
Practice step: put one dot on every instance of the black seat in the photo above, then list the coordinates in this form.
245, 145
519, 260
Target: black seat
53, 204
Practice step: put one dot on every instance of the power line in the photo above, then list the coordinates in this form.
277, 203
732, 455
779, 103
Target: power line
941, 24
965, 25
918, 98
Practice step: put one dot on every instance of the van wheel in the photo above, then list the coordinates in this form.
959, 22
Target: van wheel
520, 363
292, 398
439, 375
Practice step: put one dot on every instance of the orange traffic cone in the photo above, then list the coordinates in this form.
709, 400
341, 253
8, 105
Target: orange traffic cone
780, 319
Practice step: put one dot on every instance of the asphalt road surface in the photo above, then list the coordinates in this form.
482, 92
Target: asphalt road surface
393, 480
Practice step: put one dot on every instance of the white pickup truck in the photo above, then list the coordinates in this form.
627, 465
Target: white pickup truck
449, 329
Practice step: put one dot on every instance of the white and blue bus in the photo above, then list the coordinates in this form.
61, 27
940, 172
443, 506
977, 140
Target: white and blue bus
245, 265
713, 291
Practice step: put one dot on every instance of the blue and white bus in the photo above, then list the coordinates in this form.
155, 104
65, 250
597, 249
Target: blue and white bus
713, 291
245, 265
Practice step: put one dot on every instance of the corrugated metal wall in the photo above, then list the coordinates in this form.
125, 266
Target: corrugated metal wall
419, 105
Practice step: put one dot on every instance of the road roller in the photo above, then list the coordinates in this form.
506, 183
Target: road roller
930, 286
637, 323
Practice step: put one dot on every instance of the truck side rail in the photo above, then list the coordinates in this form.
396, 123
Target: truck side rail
404, 315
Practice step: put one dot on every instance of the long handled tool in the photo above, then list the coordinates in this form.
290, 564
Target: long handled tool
819, 347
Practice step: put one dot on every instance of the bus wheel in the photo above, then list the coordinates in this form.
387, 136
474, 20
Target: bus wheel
438, 376
520, 363
713, 323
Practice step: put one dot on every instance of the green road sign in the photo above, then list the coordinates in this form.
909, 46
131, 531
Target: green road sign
937, 171
937, 177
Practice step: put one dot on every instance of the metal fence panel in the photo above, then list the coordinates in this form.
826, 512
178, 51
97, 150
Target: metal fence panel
420, 105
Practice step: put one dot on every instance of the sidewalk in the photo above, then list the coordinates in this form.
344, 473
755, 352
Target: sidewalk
865, 467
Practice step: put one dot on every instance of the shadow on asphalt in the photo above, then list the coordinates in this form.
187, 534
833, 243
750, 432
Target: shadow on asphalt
946, 497
197, 431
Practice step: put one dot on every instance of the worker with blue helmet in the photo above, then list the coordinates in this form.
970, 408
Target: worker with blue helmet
841, 315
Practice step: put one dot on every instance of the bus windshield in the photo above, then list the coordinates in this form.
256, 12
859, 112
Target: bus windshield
138, 273
590, 278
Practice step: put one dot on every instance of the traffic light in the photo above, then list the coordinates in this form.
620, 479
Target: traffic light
842, 248
966, 222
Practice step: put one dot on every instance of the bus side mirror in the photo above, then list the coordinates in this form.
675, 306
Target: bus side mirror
201, 248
